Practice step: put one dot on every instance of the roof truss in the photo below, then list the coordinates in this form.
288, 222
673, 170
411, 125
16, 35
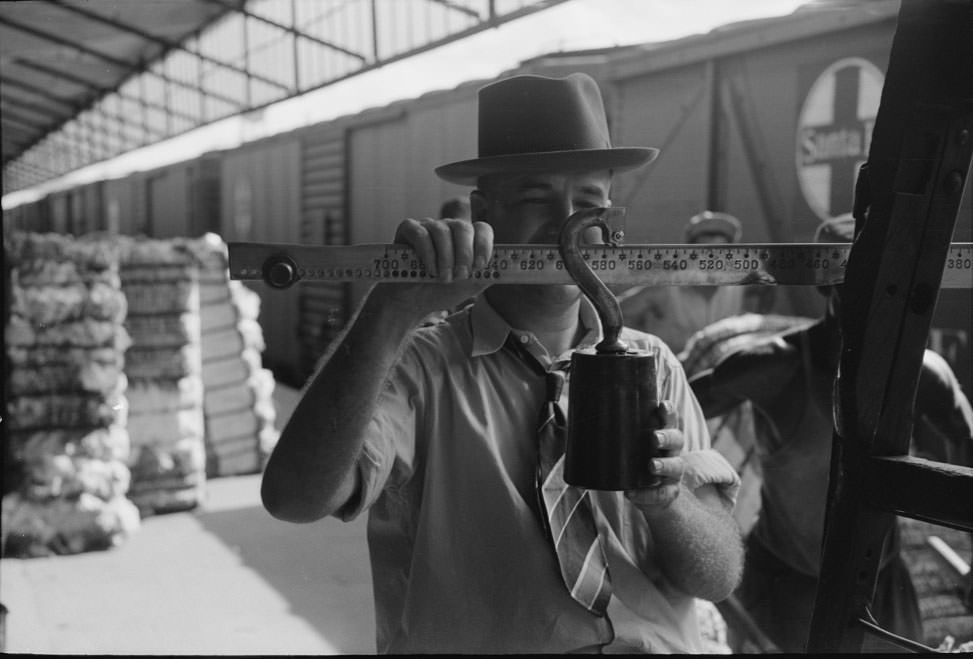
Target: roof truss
82, 81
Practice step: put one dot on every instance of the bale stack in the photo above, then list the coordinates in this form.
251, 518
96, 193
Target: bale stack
160, 279
65, 476
939, 585
238, 392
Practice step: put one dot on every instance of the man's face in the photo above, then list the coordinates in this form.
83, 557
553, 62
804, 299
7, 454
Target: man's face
532, 208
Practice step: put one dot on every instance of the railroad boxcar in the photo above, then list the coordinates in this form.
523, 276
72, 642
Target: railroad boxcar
766, 119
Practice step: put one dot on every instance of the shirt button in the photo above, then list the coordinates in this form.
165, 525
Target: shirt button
524, 338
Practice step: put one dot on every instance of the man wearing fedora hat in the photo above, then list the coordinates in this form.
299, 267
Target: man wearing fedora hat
434, 432
789, 379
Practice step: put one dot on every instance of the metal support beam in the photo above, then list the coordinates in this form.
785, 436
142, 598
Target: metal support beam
245, 39
240, 9
97, 89
31, 107
89, 85
168, 44
117, 65
108, 59
295, 59
23, 122
455, 6
375, 54
38, 91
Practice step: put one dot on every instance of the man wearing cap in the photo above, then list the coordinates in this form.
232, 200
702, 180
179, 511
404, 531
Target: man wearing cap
434, 430
789, 378
675, 313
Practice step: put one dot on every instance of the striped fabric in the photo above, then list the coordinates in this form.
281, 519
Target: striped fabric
566, 510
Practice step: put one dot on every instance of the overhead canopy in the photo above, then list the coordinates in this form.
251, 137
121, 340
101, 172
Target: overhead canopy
85, 80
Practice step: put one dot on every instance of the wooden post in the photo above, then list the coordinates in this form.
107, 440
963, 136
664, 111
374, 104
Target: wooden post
906, 204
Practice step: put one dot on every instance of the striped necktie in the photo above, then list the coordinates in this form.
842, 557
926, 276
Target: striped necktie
566, 513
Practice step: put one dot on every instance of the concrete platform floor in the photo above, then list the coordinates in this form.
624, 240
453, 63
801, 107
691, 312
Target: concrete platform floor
225, 578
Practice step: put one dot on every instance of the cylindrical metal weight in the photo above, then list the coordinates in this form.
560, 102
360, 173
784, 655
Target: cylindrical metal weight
612, 413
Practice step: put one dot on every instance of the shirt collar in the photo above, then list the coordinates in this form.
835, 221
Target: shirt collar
490, 330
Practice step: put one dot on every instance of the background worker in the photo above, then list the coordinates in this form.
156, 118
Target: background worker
789, 379
675, 313
434, 431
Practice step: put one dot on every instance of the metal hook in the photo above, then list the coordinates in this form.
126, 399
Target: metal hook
609, 220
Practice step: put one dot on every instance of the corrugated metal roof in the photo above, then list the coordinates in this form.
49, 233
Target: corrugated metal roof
58, 59
85, 80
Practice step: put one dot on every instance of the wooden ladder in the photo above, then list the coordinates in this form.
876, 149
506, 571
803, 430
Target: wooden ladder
906, 202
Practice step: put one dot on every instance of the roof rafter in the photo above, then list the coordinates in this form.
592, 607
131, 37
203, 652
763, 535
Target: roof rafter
75, 67
169, 44
463, 9
142, 67
241, 9
90, 85
31, 107
38, 91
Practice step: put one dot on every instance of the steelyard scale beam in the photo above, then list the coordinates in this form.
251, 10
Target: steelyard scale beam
795, 264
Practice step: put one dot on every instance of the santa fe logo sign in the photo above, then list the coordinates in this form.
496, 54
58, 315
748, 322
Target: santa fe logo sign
834, 131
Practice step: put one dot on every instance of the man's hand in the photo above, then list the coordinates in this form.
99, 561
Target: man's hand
668, 467
452, 250
312, 470
697, 543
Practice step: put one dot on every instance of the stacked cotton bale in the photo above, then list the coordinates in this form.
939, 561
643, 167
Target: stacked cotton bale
160, 279
66, 445
238, 392
940, 586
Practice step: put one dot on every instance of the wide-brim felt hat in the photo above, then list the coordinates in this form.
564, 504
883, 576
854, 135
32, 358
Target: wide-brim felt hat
531, 123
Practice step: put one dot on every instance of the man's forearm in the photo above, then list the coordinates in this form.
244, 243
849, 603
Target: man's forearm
310, 471
698, 547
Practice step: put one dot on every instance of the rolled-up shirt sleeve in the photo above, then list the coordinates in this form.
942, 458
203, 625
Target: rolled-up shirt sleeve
704, 465
388, 448
709, 467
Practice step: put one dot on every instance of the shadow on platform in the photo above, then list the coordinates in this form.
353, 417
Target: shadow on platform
321, 569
